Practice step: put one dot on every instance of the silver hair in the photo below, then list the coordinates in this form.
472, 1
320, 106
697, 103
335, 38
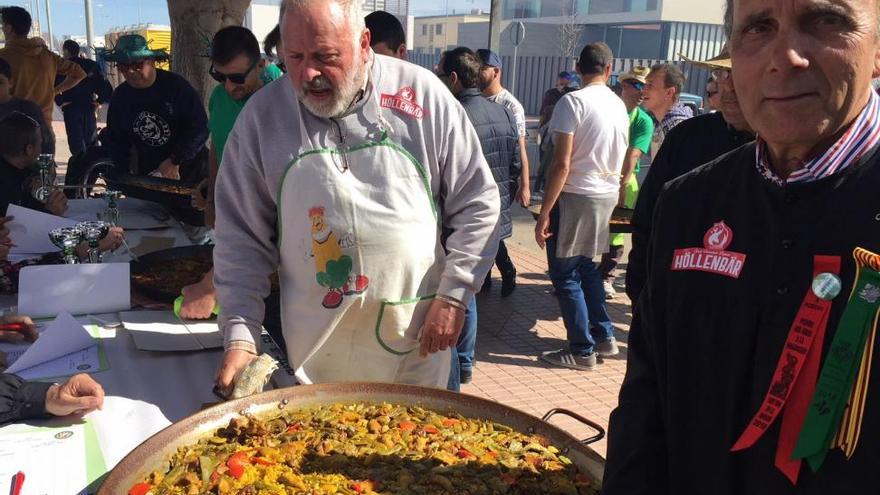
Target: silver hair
351, 8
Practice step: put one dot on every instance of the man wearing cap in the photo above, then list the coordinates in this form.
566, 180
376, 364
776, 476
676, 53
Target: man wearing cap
156, 112
490, 85
752, 362
641, 128
693, 143
589, 129
367, 159
663, 87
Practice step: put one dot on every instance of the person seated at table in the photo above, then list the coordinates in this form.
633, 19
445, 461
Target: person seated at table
26, 333
156, 112
21, 399
19, 150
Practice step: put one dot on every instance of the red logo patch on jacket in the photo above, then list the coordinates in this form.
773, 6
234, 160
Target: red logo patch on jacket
403, 101
712, 258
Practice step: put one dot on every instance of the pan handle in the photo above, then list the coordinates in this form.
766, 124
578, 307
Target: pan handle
595, 438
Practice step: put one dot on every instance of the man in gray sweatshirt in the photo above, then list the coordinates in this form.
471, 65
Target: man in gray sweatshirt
340, 176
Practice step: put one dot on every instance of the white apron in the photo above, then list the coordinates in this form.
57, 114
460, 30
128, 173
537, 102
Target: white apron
361, 261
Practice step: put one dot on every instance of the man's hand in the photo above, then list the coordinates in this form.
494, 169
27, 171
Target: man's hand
621, 197
5, 241
57, 203
524, 196
542, 230
113, 239
169, 170
441, 328
27, 334
233, 361
199, 299
199, 198
78, 395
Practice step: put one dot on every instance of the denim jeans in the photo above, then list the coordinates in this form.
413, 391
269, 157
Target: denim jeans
463, 356
581, 297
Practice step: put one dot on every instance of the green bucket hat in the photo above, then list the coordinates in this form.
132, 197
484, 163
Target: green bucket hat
131, 47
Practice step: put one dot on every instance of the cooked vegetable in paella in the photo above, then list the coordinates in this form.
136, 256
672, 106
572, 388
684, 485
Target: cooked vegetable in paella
367, 449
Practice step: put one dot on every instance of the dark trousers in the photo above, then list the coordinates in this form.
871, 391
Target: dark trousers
609, 262
503, 261
81, 126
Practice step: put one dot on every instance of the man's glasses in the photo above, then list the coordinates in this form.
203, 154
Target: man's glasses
639, 86
721, 74
239, 78
131, 66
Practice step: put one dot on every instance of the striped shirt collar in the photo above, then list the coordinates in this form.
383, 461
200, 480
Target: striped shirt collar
861, 137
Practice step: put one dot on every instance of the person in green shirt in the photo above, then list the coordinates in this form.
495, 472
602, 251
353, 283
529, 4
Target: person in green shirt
641, 128
237, 65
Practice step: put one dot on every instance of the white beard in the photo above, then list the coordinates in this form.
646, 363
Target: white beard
342, 96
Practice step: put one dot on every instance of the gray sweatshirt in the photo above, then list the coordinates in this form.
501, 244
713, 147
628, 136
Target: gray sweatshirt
266, 137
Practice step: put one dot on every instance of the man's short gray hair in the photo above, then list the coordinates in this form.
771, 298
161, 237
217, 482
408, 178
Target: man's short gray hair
351, 9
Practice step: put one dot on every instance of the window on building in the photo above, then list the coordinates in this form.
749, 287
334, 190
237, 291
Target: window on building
424, 29
438, 29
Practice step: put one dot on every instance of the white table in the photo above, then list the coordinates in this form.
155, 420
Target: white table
178, 383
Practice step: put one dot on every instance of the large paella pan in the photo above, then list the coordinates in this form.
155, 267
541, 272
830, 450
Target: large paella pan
215, 451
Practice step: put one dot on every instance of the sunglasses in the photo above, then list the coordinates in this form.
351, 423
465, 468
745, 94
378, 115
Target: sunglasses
239, 78
635, 84
129, 66
721, 74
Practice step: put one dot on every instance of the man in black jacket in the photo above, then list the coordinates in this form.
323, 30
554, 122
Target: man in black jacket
459, 69
80, 103
692, 143
754, 338
158, 113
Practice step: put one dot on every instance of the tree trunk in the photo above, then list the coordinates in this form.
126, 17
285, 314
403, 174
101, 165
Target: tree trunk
193, 24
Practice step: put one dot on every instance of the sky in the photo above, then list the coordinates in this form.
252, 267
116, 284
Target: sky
68, 17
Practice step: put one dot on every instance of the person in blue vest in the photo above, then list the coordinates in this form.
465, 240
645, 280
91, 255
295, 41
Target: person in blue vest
459, 69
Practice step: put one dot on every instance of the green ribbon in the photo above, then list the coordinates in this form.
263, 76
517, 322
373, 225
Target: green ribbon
839, 371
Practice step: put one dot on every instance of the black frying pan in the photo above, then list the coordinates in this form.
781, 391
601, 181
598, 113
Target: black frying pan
147, 262
176, 196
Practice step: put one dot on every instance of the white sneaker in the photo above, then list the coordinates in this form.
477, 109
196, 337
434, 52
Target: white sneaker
610, 292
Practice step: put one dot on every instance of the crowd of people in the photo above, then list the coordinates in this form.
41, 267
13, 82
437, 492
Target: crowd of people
381, 194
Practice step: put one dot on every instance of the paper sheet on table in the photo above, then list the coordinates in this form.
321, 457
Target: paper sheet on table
29, 230
123, 424
47, 290
55, 460
86, 360
163, 331
63, 336
134, 214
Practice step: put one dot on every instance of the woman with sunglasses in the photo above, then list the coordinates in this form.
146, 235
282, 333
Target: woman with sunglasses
156, 112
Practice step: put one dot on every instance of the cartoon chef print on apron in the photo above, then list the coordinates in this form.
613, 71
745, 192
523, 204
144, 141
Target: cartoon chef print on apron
361, 260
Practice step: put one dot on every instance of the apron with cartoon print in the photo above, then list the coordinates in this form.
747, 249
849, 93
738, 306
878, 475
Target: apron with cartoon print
361, 261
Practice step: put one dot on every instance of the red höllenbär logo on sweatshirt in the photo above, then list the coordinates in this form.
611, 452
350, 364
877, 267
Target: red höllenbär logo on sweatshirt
404, 101
711, 258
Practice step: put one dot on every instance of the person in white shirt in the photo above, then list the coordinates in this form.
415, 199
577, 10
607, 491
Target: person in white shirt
590, 133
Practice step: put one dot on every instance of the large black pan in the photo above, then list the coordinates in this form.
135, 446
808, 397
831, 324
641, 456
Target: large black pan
146, 263
153, 453
172, 194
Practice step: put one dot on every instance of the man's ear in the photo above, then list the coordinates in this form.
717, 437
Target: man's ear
401, 51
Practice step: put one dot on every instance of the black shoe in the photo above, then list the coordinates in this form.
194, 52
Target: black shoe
465, 376
508, 284
487, 285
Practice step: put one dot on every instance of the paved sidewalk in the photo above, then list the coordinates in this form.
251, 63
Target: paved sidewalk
513, 332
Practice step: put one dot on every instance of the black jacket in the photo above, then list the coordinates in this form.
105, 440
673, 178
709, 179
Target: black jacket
15, 187
694, 142
165, 120
703, 347
496, 129
20, 399
95, 87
